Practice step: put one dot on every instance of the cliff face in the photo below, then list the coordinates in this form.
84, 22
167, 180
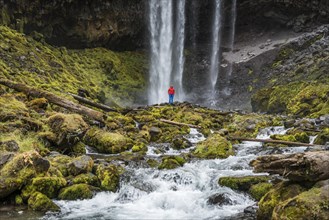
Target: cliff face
114, 24
122, 25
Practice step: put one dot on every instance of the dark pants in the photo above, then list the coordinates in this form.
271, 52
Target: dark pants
171, 99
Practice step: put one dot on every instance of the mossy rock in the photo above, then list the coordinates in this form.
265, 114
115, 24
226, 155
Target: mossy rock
152, 163
215, 146
79, 165
40, 202
38, 104
11, 108
242, 183
79, 148
311, 204
171, 162
8, 185
139, 147
278, 194
258, 190
109, 177
323, 137
87, 178
298, 137
77, 191
48, 186
61, 163
68, 128
107, 142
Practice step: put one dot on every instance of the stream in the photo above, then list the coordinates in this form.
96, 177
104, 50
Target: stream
182, 193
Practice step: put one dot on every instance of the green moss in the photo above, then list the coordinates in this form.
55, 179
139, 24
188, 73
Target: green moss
139, 147
87, 178
107, 76
242, 183
11, 108
259, 190
109, 177
281, 192
323, 137
40, 202
48, 186
215, 146
61, 163
18, 200
312, 204
297, 137
152, 163
172, 162
107, 142
77, 191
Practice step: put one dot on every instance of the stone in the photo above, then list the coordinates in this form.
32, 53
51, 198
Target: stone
10, 146
220, 199
79, 165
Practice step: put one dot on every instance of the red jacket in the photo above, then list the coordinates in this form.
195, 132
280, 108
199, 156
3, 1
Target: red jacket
171, 91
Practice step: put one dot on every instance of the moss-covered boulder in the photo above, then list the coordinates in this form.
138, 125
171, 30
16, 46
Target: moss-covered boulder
323, 137
20, 170
107, 142
259, 190
87, 178
242, 183
48, 186
215, 146
109, 177
139, 147
11, 108
171, 162
40, 202
311, 204
298, 137
82, 164
61, 163
278, 194
77, 191
68, 129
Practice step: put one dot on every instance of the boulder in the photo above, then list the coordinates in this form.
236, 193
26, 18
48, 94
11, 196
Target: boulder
10, 146
172, 162
215, 146
109, 177
48, 186
242, 183
68, 129
5, 157
107, 142
86, 178
79, 165
40, 202
77, 191
220, 199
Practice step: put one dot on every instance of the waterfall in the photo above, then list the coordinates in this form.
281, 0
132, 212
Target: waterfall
161, 29
166, 67
216, 41
179, 51
231, 47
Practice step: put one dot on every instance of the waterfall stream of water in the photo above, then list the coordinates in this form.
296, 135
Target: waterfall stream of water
167, 47
182, 193
216, 41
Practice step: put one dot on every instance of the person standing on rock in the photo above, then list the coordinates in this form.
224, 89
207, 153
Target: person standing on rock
171, 93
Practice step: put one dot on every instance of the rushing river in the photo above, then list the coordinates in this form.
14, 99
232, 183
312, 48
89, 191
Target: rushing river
182, 193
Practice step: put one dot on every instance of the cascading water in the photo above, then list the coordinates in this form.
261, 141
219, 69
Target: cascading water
182, 193
161, 30
216, 41
226, 89
166, 67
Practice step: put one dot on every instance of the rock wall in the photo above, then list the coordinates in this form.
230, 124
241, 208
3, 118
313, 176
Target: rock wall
114, 24
122, 25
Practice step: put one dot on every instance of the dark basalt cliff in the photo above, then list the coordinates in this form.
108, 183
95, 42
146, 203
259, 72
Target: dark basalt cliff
122, 25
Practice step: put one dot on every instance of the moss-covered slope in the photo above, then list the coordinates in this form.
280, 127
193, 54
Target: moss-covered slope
98, 73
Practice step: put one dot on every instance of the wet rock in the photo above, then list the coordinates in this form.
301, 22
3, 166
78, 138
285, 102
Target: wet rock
87, 178
5, 157
107, 142
40, 202
109, 177
77, 191
180, 142
68, 129
220, 199
10, 146
242, 183
171, 162
79, 165
215, 146
155, 133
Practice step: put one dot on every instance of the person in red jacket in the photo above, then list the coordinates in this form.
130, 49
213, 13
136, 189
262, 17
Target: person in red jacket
171, 93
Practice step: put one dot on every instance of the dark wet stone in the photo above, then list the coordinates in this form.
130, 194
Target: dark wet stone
219, 199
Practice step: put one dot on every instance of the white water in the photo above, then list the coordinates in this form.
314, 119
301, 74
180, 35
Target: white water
167, 50
230, 46
161, 30
216, 41
182, 193
179, 52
